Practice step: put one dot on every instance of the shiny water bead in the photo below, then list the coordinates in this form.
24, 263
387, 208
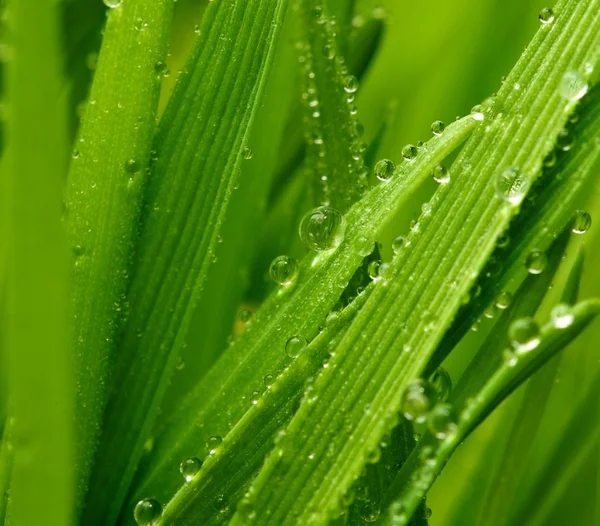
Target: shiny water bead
78, 250
350, 84
213, 443
373, 269
294, 346
329, 51
247, 153
417, 400
442, 421
573, 85
245, 315
477, 112
503, 300
283, 270
564, 140
147, 512
442, 383
397, 244
511, 185
409, 152
132, 166
368, 511
440, 174
268, 381
524, 334
189, 467
384, 169
546, 15
562, 316
322, 229
112, 3
582, 221
536, 262
221, 503
438, 127
398, 514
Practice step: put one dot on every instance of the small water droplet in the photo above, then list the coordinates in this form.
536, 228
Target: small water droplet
503, 300
440, 174
438, 127
132, 166
573, 86
247, 153
329, 51
268, 381
397, 244
536, 262
322, 229
546, 15
147, 512
160, 67
294, 346
245, 315
442, 421
409, 152
189, 467
582, 221
477, 112
509, 357
213, 443
524, 334
562, 316
511, 185
417, 400
373, 269
112, 3
384, 169
221, 503
442, 383
350, 84
283, 270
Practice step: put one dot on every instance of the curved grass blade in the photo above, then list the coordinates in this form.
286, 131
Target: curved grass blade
427, 462
191, 184
328, 442
104, 197
220, 399
544, 214
39, 364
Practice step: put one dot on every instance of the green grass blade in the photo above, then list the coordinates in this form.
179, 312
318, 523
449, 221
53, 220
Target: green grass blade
305, 478
221, 398
39, 363
6, 462
104, 197
212, 106
334, 162
428, 460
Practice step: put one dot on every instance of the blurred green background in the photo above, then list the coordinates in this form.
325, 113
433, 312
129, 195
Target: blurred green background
436, 60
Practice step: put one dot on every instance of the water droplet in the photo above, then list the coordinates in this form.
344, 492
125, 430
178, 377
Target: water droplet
213, 443
247, 153
573, 85
477, 112
147, 512
283, 270
409, 152
268, 381
350, 84
503, 300
78, 250
322, 229
139, 24
509, 357
132, 166
294, 346
562, 316
442, 421
189, 467
397, 244
536, 262
511, 185
442, 383
221, 503
438, 127
369, 511
398, 513
329, 51
546, 15
112, 3
582, 221
440, 174
417, 400
384, 169
373, 269
160, 67
524, 334
245, 315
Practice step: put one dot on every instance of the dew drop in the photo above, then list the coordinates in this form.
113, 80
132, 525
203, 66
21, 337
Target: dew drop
268, 381
438, 127
221, 503
582, 221
147, 512
160, 67
350, 84
564, 140
294, 346
398, 513
442, 421
442, 383
189, 467
440, 174
509, 357
329, 51
132, 166
373, 269
322, 229
562, 316
511, 185
283, 270
536, 262
524, 334
247, 153
409, 152
397, 244
213, 443
573, 86
78, 250
503, 300
112, 3
546, 15
417, 400
384, 169
477, 113
245, 315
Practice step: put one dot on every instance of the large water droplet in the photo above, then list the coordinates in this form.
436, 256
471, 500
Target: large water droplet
189, 467
582, 221
573, 85
384, 169
562, 316
511, 185
409, 152
477, 112
417, 400
524, 334
438, 127
283, 270
147, 512
294, 346
546, 15
350, 84
322, 229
